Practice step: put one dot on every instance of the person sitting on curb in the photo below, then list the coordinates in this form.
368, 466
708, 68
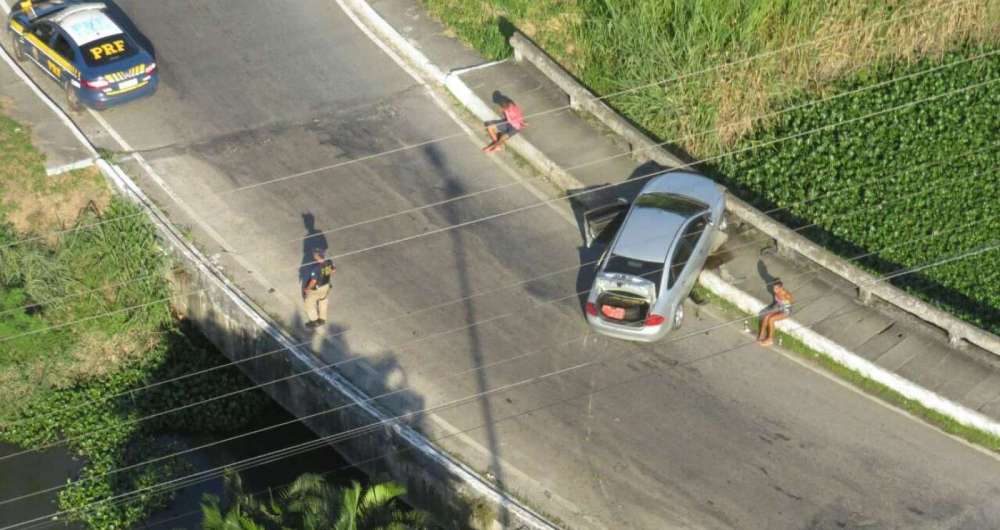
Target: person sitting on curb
502, 130
778, 310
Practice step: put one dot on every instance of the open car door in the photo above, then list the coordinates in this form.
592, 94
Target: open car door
601, 223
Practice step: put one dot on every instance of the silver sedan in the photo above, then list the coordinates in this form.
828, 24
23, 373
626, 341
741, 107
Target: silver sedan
653, 260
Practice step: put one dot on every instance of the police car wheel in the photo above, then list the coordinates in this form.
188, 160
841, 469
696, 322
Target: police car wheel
16, 48
72, 99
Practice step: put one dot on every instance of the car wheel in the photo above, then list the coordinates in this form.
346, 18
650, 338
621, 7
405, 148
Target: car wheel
678, 316
72, 98
15, 47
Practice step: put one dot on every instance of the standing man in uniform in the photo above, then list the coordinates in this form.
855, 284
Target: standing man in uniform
316, 291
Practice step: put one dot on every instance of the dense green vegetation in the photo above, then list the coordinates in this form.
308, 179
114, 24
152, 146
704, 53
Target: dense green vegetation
310, 503
915, 185
665, 55
84, 320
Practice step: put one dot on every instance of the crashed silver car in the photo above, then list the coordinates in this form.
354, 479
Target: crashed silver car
653, 260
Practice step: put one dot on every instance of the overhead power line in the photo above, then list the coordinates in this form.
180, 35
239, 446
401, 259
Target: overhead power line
721, 66
169, 485
521, 311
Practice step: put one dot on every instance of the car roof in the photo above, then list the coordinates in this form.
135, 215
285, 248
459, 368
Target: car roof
647, 234
86, 23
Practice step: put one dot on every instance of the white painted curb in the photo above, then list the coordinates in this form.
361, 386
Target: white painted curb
375, 22
849, 359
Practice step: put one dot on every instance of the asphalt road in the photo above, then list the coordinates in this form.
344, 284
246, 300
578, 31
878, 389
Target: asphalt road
706, 432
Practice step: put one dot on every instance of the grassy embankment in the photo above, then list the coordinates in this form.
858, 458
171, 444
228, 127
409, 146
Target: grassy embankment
709, 111
83, 320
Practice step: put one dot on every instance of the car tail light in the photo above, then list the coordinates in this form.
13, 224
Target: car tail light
591, 309
96, 84
150, 69
655, 320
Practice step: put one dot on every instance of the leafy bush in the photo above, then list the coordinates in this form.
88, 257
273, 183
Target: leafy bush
899, 178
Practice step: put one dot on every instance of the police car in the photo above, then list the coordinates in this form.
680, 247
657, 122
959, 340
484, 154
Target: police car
96, 62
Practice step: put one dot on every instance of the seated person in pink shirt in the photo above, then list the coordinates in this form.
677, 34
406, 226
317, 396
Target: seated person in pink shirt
501, 130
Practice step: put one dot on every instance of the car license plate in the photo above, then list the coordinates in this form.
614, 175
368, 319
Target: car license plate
617, 313
128, 84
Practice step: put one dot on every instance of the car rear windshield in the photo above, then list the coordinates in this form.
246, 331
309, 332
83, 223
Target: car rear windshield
636, 267
107, 50
678, 204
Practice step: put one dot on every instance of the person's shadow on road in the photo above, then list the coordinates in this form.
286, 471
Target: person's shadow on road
313, 240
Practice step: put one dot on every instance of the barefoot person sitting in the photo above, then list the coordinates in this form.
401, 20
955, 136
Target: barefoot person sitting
778, 310
501, 130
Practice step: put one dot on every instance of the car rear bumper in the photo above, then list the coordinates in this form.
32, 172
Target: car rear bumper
638, 334
99, 100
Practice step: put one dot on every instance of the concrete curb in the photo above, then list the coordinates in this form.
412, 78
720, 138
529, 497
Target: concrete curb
849, 359
192, 255
640, 143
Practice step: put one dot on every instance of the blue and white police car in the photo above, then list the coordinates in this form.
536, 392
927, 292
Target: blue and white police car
95, 61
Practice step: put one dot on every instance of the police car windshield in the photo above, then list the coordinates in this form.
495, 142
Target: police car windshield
107, 50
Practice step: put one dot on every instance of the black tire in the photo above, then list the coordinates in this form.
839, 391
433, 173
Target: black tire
15, 48
72, 99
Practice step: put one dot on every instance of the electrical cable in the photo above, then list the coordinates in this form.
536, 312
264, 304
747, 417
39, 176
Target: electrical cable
801, 44
798, 45
264, 429
604, 159
133, 392
520, 183
544, 202
849, 213
163, 487
521, 282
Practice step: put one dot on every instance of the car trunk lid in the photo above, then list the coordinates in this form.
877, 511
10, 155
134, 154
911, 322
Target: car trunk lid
623, 298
